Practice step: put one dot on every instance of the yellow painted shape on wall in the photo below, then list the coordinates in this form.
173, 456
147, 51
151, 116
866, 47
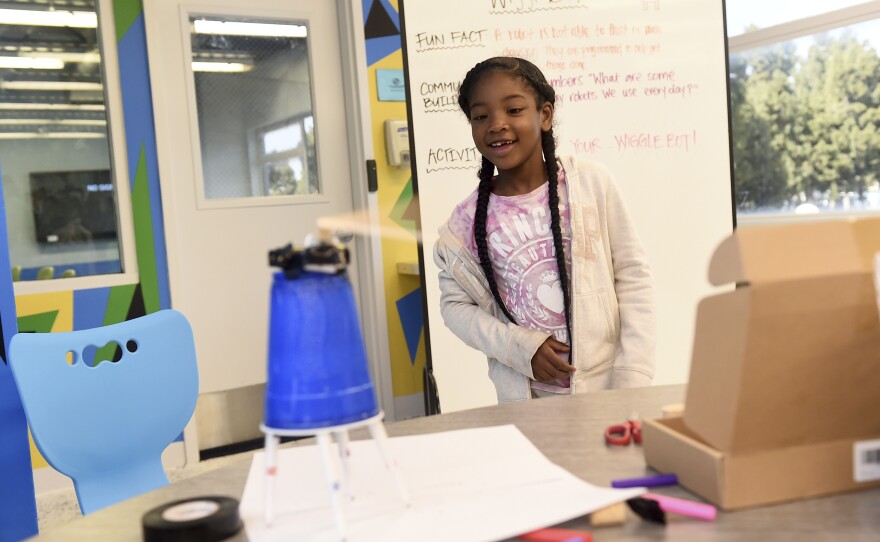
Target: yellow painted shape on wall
37, 461
406, 377
27, 305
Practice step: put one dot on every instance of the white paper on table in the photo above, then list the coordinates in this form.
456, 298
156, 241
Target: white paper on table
472, 484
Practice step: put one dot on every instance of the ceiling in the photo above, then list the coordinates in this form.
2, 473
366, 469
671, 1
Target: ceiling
28, 102
66, 98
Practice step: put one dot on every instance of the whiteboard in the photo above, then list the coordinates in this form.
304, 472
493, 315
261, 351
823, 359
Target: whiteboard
641, 87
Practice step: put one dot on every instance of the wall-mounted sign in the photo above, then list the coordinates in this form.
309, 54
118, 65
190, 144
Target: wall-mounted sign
390, 85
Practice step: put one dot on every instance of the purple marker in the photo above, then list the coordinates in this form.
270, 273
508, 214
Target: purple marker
647, 481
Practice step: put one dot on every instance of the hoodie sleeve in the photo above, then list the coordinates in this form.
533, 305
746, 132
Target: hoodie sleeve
502, 340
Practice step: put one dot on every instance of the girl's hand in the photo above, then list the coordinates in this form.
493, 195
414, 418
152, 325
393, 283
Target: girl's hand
546, 363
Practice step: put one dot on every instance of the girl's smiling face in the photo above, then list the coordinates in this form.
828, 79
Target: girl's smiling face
507, 122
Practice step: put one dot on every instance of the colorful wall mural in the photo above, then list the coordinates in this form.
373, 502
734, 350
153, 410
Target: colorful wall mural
83, 309
396, 209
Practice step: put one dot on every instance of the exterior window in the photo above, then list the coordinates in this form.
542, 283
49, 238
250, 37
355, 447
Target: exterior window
59, 180
805, 107
287, 162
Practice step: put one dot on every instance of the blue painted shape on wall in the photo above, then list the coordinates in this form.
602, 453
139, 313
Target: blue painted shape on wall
18, 508
409, 310
89, 307
379, 48
134, 76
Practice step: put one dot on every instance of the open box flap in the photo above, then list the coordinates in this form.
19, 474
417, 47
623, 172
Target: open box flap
758, 254
794, 357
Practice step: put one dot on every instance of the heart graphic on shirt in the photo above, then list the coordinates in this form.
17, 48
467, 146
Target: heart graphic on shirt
551, 297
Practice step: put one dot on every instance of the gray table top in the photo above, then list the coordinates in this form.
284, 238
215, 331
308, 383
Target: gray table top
568, 430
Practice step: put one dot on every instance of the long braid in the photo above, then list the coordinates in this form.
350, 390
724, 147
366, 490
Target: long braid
483, 192
533, 76
548, 144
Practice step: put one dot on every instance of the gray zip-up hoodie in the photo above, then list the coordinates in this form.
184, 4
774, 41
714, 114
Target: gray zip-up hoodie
612, 310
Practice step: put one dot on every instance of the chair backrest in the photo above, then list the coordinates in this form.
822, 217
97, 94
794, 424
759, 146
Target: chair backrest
46, 273
106, 425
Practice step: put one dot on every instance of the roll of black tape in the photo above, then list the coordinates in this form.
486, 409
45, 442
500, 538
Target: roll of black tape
198, 519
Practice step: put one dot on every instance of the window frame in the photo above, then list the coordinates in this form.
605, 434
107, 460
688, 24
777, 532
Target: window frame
261, 158
202, 201
788, 31
117, 148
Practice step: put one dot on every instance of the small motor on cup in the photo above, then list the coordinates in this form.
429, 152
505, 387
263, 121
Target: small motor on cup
321, 256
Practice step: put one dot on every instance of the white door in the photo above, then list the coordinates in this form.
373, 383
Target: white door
252, 147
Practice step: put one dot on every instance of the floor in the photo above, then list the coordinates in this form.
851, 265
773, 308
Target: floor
59, 507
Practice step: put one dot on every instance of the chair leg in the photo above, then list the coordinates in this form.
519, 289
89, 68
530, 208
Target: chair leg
107, 487
325, 443
271, 448
342, 442
380, 437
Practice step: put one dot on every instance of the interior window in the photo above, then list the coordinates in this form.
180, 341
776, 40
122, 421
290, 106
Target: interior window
55, 160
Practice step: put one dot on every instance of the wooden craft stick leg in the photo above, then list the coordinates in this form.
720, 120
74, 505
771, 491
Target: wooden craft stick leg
380, 437
325, 443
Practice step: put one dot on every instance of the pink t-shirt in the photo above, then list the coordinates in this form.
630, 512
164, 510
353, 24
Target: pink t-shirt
523, 257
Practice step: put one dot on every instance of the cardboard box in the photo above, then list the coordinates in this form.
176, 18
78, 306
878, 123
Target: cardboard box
785, 373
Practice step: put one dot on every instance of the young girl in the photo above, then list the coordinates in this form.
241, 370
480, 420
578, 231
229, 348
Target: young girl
541, 268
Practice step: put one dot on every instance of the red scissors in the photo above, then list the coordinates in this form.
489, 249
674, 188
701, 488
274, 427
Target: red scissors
622, 434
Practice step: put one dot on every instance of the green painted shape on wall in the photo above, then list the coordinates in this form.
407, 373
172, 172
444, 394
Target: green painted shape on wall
125, 12
143, 235
118, 303
108, 352
401, 207
37, 323
117, 309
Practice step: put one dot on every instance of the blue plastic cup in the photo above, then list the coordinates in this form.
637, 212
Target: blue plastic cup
317, 367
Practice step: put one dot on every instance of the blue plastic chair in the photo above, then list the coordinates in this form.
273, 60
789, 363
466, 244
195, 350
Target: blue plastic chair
105, 426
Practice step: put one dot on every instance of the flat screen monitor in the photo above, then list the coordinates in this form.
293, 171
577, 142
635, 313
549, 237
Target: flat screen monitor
73, 206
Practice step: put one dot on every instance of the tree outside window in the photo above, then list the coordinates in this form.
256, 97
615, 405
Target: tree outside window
806, 124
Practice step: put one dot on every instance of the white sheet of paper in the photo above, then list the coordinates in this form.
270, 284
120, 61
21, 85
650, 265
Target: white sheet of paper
472, 484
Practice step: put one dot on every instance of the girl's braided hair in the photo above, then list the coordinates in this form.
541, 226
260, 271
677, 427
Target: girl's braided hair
532, 76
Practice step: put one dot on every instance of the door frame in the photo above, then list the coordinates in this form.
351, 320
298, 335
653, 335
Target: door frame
371, 301
374, 318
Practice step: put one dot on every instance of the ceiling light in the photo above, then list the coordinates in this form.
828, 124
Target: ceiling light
51, 107
50, 85
231, 28
83, 58
30, 63
52, 135
76, 19
228, 67
69, 122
